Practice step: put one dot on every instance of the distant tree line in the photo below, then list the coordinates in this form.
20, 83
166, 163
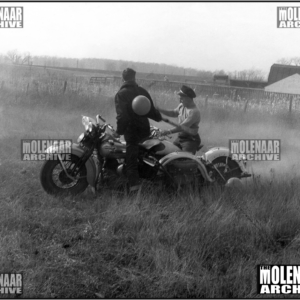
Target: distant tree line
249, 75
295, 61
15, 57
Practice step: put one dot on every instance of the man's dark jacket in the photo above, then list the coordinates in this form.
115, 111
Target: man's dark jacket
134, 127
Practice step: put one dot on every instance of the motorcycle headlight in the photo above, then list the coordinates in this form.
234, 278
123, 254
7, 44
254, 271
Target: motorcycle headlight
85, 121
80, 138
88, 127
88, 123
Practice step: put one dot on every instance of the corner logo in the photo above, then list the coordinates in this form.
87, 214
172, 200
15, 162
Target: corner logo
37, 150
257, 149
11, 17
288, 17
278, 279
11, 283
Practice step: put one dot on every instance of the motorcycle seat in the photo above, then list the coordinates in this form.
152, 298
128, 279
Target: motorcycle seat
148, 144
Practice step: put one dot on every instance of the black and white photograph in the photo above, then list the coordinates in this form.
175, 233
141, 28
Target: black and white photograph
149, 150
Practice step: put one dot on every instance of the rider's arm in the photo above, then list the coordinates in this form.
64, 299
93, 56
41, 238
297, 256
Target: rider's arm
193, 117
154, 113
122, 114
168, 112
185, 126
173, 113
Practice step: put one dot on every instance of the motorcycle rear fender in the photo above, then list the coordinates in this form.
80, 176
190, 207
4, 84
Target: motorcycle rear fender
175, 155
216, 152
91, 166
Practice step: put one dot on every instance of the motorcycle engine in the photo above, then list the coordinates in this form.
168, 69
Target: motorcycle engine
145, 171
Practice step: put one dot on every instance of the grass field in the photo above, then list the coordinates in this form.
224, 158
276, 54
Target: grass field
199, 246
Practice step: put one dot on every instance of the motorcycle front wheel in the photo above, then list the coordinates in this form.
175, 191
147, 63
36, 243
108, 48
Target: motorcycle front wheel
55, 181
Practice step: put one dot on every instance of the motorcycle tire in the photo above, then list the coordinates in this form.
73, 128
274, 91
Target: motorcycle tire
233, 170
68, 187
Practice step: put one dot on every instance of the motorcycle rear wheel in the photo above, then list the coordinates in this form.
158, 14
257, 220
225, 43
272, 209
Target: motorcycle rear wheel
55, 181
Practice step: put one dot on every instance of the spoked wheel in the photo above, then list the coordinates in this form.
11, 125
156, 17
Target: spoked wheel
224, 169
55, 181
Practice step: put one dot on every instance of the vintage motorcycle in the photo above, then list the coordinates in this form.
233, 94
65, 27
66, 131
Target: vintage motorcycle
98, 160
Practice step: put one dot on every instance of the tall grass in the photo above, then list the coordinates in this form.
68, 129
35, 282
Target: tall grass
183, 245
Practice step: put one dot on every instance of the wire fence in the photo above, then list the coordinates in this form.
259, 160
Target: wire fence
54, 82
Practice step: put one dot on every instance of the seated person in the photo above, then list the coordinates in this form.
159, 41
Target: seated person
189, 118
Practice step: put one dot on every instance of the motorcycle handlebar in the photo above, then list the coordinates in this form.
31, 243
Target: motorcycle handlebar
110, 127
100, 117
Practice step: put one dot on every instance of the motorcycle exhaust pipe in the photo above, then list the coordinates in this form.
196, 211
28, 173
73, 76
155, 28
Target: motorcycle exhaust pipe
244, 175
120, 170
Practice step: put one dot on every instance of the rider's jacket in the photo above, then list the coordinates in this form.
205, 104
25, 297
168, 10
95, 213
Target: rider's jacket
134, 127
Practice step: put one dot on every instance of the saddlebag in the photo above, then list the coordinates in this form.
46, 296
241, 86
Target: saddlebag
182, 166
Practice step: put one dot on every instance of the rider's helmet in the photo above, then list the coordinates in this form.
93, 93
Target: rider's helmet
141, 105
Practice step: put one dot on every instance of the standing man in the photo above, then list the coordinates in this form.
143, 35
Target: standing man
134, 127
189, 118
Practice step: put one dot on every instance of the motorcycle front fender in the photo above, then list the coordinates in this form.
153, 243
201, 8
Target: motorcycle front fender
216, 152
91, 166
176, 155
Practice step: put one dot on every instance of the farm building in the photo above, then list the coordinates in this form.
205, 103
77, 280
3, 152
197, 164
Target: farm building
248, 83
279, 72
289, 85
221, 78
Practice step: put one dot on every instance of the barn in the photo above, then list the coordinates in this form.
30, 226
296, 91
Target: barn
289, 85
279, 72
221, 79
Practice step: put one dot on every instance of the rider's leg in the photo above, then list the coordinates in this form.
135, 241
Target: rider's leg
190, 145
132, 151
177, 143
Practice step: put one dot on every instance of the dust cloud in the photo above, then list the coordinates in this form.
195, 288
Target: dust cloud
258, 126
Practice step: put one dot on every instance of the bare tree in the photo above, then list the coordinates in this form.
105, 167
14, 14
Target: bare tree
14, 56
220, 72
295, 61
26, 58
284, 61
17, 58
251, 74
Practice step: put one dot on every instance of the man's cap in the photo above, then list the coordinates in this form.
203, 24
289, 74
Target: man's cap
186, 91
128, 74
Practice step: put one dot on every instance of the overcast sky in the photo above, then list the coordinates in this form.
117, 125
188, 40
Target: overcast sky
206, 36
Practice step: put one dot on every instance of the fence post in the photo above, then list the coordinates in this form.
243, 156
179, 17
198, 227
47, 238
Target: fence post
37, 87
27, 88
206, 101
291, 104
65, 86
246, 104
